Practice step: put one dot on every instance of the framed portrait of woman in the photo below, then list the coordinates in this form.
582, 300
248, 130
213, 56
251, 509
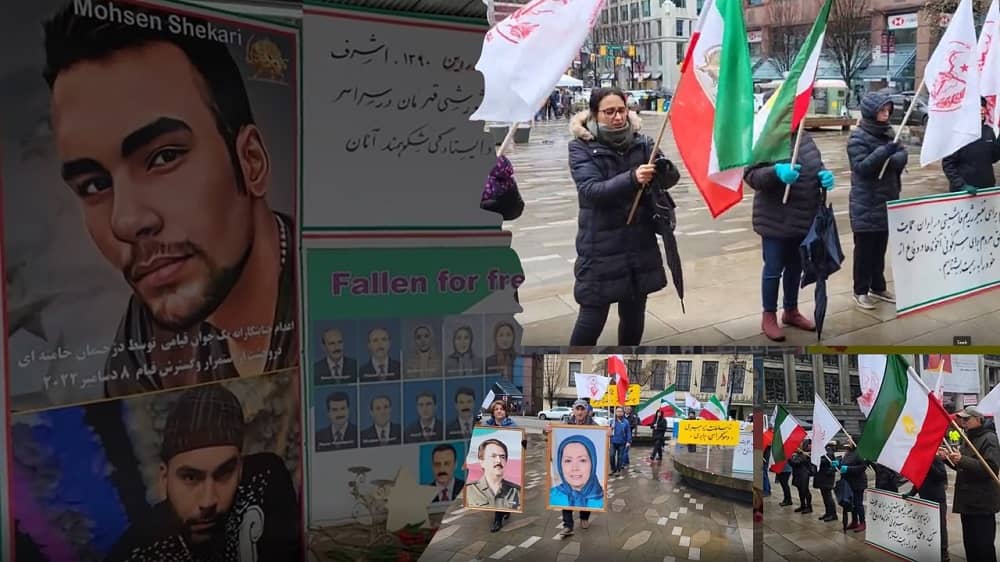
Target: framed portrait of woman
578, 467
495, 464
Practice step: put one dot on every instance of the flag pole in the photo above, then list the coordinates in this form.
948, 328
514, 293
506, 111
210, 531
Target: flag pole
652, 158
506, 140
902, 123
795, 156
975, 450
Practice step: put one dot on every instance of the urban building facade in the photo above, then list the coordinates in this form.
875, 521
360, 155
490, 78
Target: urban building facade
911, 34
794, 380
728, 376
639, 44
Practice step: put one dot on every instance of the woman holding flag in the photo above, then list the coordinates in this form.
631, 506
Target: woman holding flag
616, 262
783, 225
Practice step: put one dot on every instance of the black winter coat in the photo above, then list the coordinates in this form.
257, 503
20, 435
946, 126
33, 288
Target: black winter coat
935, 484
886, 478
615, 262
801, 469
857, 475
976, 492
826, 476
771, 217
973, 163
867, 151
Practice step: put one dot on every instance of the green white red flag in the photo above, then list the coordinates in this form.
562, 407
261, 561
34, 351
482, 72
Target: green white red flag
906, 424
712, 110
788, 435
787, 107
665, 402
713, 410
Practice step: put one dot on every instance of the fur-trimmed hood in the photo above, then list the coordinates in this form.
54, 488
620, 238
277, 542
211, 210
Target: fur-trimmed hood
578, 125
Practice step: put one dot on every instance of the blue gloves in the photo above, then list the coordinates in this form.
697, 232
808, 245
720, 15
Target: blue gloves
970, 189
835, 465
786, 173
843, 470
826, 179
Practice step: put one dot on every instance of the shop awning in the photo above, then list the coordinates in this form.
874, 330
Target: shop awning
905, 54
504, 388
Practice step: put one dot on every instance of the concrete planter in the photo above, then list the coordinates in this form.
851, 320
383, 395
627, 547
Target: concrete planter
499, 133
521, 135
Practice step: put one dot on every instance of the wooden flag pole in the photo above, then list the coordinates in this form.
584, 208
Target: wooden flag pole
795, 156
899, 131
652, 158
975, 450
506, 140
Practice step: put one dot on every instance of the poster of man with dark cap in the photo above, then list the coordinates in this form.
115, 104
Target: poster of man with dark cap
220, 504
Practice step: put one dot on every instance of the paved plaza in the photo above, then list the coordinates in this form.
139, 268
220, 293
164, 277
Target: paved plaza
652, 518
798, 538
722, 262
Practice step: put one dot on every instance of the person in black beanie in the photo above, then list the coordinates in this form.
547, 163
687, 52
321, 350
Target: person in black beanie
970, 168
220, 505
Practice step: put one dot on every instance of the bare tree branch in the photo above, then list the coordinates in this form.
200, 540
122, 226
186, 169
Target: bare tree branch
551, 376
786, 32
848, 38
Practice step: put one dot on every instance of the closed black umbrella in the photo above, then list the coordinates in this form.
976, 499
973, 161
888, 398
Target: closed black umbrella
821, 257
665, 221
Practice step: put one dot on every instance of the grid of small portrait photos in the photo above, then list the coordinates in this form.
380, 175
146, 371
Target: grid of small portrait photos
382, 383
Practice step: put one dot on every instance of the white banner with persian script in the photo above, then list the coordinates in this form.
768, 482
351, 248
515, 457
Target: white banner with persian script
944, 247
743, 453
907, 527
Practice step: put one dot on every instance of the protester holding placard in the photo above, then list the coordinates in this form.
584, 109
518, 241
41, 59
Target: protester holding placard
581, 416
499, 418
970, 168
617, 263
870, 145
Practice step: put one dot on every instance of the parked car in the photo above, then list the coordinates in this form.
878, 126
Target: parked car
901, 103
556, 413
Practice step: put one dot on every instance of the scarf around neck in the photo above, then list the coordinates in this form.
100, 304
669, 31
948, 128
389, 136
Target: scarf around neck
875, 128
619, 139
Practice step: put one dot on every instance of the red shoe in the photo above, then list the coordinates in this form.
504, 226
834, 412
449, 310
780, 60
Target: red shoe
792, 317
860, 528
769, 325
853, 525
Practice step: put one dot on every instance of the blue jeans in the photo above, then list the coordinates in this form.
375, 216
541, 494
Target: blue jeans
617, 456
767, 481
782, 264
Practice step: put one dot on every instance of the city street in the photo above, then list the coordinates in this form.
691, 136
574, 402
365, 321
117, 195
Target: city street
795, 537
652, 518
722, 262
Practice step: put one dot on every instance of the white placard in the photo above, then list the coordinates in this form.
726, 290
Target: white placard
387, 140
909, 528
944, 247
902, 21
960, 372
743, 453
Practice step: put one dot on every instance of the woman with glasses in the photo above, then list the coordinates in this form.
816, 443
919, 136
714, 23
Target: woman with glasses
617, 263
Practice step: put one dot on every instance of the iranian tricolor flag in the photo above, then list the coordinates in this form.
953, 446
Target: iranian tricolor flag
789, 433
713, 410
663, 402
906, 424
618, 372
712, 110
785, 110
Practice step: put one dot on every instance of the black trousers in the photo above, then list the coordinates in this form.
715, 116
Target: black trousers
786, 492
657, 448
805, 495
829, 505
568, 518
869, 261
590, 323
978, 534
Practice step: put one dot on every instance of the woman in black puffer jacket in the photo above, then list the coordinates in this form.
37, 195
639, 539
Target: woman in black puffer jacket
616, 262
782, 227
868, 148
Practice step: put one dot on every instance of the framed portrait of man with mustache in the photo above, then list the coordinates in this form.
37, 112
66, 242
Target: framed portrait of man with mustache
495, 470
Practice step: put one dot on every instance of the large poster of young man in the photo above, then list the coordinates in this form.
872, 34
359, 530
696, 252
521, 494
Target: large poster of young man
149, 178
211, 472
